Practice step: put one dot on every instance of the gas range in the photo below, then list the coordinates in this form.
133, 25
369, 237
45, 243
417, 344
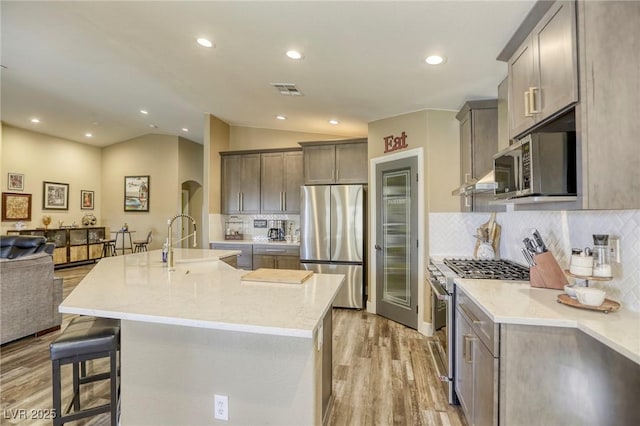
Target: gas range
441, 276
495, 269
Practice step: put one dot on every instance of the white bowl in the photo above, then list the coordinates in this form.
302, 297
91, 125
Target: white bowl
590, 296
570, 290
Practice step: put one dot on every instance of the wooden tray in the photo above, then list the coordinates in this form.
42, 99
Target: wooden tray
607, 306
289, 276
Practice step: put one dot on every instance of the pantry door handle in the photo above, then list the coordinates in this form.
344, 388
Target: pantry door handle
377, 247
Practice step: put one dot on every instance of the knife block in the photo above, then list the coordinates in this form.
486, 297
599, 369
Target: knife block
547, 273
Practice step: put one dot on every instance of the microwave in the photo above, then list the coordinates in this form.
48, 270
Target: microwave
540, 164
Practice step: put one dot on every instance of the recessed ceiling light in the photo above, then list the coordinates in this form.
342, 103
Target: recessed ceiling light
144, 111
184, 129
434, 60
153, 126
294, 54
281, 117
35, 120
89, 135
334, 121
204, 42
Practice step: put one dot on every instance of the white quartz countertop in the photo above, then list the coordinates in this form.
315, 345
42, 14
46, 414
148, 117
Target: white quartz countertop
201, 292
257, 242
513, 302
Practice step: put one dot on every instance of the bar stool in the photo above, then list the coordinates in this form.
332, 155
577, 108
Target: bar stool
85, 338
108, 247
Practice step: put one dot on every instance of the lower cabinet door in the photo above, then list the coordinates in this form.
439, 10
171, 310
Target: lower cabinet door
264, 261
485, 392
287, 262
464, 365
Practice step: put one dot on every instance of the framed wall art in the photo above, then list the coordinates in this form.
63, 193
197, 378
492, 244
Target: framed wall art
136, 193
15, 182
16, 206
86, 199
55, 196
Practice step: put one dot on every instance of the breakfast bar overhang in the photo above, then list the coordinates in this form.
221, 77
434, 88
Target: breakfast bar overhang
198, 330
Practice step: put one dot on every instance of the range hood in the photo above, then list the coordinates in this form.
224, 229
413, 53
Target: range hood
484, 185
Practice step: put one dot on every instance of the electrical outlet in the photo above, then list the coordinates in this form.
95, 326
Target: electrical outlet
614, 244
221, 407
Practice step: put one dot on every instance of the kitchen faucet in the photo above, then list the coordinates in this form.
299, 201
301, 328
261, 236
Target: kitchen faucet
170, 236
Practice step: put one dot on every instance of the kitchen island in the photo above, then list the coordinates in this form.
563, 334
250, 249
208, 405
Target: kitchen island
556, 364
198, 330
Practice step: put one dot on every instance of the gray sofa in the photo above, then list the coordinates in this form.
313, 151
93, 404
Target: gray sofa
29, 293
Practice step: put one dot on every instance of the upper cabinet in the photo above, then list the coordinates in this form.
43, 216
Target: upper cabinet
240, 192
478, 142
281, 178
342, 162
261, 181
584, 47
609, 104
543, 72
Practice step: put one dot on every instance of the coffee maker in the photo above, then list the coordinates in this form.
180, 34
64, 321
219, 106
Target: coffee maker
276, 230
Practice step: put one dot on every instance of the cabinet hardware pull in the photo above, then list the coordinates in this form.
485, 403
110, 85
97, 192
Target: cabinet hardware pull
534, 104
467, 200
284, 201
239, 209
469, 314
241, 201
527, 103
468, 338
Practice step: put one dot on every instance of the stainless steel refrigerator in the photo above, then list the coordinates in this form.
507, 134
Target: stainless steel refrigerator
332, 229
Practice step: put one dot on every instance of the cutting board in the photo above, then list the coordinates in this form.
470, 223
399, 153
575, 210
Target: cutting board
289, 276
493, 230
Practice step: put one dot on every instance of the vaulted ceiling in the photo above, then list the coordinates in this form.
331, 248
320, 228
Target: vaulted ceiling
90, 67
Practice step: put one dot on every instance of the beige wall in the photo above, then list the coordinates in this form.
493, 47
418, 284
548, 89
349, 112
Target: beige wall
437, 133
41, 157
442, 161
243, 138
153, 155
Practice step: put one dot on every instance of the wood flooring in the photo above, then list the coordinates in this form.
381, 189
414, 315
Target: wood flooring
382, 374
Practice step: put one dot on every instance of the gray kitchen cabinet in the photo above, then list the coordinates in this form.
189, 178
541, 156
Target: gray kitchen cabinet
610, 104
244, 260
281, 178
478, 142
352, 163
240, 183
319, 164
503, 115
543, 72
341, 162
476, 363
276, 257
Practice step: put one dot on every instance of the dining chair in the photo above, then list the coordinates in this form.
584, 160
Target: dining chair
141, 245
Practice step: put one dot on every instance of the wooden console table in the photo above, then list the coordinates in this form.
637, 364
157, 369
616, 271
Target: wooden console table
73, 245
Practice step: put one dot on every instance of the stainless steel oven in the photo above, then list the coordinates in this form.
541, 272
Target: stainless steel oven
441, 277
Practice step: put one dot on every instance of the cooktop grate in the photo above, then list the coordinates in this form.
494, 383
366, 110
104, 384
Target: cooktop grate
495, 269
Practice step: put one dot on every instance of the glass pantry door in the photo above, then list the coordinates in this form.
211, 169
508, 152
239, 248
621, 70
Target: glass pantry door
397, 241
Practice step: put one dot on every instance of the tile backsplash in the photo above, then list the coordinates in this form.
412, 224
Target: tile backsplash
452, 234
217, 224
